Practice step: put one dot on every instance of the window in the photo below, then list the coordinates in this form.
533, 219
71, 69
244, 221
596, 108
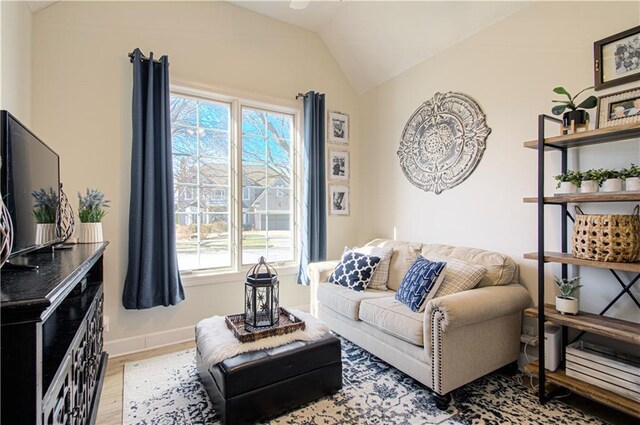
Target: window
214, 139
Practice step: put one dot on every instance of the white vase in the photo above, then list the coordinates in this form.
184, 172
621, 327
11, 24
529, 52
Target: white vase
567, 187
90, 233
612, 185
45, 233
588, 186
632, 184
567, 305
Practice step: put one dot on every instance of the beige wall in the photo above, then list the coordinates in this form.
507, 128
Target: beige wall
15, 59
82, 108
510, 69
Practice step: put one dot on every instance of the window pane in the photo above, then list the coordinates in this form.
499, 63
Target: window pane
254, 149
214, 115
280, 243
185, 199
213, 172
215, 143
214, 199
279, 126
185, 169
254, 238
253, 122
279, 150
184, 140
184, 111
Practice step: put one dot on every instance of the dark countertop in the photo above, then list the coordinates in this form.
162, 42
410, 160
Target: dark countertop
37, 290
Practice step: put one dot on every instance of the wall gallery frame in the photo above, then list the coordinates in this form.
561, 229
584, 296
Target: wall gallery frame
618, 108
617, 59
338, 200
338, 127
339, 167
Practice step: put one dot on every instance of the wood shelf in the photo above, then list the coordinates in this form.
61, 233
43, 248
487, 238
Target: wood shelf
576, 198
567, 258
622, 330
559, 377
601, 135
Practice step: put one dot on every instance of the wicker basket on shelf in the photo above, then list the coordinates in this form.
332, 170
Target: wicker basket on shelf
607, 237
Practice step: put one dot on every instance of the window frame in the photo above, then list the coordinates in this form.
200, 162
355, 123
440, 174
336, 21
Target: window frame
237, 101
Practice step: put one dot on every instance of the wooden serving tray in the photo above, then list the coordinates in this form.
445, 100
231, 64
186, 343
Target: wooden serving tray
288, 323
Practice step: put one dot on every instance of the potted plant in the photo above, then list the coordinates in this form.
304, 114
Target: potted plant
577, 113
611, 181
568, 182
45, 211
591, 181
565, 303
91, 209
631, 177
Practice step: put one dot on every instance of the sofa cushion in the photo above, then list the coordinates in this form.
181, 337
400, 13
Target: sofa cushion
459, 276
501, 269
345, 301
394, 318
421, 283
355, 270
404, 254
381, 275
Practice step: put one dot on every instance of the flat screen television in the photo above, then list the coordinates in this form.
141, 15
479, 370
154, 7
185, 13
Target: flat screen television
28, 167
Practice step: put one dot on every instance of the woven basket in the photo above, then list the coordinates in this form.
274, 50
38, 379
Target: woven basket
607, 237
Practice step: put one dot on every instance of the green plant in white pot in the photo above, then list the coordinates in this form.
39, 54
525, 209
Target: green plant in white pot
565, 303
45, 211
591, 180
91, 209
631, 177
568, 182
611, 181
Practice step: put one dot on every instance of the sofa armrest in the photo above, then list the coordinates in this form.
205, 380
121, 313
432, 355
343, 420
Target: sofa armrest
318, 274
478, 305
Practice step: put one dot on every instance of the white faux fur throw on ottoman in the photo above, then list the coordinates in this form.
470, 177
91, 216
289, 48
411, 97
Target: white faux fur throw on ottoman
217, 343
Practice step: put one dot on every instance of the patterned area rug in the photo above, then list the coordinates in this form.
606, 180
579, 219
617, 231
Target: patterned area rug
166, 390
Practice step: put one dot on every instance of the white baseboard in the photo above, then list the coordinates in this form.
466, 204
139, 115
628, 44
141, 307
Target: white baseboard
136, 344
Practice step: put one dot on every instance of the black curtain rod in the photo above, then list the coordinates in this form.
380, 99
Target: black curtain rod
300, 95
143, 57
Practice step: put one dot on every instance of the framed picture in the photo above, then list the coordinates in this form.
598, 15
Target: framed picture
338, 127
619, 108
617, 59
338, 200
338, 165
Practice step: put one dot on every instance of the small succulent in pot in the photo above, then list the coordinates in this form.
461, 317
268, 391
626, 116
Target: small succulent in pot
576, 113
92, 207
565, 303
631, 177
568, 182
45, 209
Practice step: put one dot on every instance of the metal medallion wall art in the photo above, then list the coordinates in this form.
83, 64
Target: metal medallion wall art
443, 142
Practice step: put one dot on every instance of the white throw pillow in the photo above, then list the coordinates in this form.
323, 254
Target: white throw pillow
381, 275
459, 275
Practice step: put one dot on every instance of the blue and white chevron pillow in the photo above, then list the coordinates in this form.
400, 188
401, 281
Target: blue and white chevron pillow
420, 283
355, 270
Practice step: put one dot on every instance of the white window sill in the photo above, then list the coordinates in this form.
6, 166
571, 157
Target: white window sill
216, 277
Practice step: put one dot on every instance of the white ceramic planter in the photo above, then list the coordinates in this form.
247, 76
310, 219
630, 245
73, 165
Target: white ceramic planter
90, 233
612, 185
588, 186
632, 184
45, 232
567, 187
568, 306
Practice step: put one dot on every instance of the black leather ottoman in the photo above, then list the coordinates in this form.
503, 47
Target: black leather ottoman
260, 384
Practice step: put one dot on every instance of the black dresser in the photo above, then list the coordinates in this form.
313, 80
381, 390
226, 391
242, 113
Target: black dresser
53, 362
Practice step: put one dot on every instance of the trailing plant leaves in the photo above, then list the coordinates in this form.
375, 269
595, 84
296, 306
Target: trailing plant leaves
588, 103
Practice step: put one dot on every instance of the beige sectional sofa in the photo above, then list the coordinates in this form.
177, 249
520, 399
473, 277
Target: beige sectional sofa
457, 339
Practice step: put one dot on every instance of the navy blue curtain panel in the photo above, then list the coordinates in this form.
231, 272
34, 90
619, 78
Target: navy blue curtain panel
152, 275
314, 208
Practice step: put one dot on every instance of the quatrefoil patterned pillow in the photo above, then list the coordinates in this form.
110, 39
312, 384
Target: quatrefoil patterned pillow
355, 270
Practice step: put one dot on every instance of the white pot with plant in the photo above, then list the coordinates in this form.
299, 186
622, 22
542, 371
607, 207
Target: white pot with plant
631, 177
568, 182
91, 209
565, 303
590, 181
45, 211
611, 181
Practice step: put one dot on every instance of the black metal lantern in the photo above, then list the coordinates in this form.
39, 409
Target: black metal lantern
261, 297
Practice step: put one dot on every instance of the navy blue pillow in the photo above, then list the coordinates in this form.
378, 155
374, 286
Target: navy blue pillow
355, 270
420, 283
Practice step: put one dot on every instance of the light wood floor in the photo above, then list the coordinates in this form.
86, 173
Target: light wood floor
110, 408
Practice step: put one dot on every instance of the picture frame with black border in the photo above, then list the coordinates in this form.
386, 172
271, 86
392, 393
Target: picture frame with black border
339, 200
617, 59
618, 108
338, 127
339, 165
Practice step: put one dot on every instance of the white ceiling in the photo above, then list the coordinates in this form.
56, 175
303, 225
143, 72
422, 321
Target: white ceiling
374, 41
38, 5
